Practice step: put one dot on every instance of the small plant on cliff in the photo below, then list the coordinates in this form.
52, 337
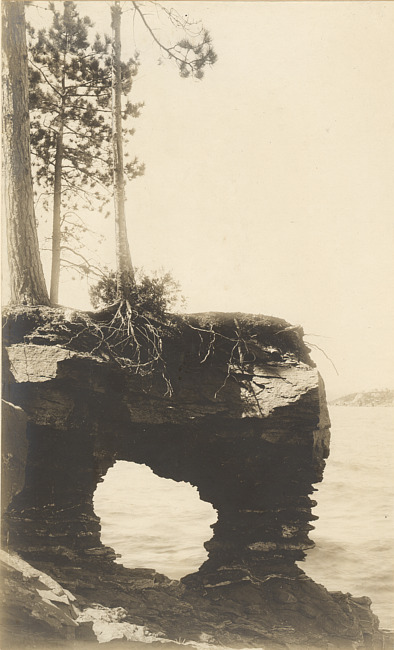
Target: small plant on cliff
154, 296
130, 331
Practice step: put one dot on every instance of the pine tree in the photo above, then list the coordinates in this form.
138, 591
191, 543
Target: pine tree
70, 101
26, 274
191, 53
124, 268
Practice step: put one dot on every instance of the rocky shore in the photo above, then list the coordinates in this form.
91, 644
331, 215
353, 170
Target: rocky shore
236, 408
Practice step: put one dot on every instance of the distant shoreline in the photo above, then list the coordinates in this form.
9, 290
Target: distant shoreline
383, 397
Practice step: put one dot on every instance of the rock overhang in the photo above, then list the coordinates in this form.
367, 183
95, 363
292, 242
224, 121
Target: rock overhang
243, 422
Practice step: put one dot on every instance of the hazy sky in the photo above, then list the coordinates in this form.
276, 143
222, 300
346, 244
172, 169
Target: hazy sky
269, 184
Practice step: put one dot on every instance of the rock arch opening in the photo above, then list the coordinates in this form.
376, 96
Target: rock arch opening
153, 522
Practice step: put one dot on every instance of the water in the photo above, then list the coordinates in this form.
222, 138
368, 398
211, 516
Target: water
354, 535
153, 522
161, 524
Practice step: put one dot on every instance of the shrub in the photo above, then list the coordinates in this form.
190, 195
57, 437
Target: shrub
155, 295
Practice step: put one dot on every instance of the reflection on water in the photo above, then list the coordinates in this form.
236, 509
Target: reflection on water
153, 522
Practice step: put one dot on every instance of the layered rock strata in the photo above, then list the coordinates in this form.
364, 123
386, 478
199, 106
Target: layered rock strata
238, 410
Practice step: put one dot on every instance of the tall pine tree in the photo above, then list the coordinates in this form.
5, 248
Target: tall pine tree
70, 102
26, 274
124, 268
191, 53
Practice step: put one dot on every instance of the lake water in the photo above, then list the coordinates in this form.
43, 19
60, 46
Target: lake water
354, 535
153, 522
158, 523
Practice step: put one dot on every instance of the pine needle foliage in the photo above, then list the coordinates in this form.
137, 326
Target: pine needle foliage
191, 50
70, 105
154, 295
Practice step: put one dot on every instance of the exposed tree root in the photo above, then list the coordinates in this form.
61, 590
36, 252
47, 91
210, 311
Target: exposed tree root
240, 354
130, 339
245, 348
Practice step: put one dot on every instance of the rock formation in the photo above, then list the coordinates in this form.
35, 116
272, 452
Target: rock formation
238, 410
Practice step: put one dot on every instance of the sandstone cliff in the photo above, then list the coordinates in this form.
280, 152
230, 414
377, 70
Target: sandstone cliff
236, 408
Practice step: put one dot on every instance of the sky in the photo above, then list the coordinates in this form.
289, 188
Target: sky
268, 186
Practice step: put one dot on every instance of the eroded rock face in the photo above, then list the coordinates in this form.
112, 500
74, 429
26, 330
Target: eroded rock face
13, 452
252, 436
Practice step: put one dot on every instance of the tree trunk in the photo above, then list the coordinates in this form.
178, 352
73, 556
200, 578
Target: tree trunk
124, 267
57, 189
57, 200
26, 274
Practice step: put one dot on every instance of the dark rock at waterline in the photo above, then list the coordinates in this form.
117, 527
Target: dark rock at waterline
236, 408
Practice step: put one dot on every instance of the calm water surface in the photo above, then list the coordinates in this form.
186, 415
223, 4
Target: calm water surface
153, 522
354, 535
158, 523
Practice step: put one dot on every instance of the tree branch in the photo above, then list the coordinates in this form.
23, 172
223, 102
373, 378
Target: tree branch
55, 90
82, 257
169, 51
